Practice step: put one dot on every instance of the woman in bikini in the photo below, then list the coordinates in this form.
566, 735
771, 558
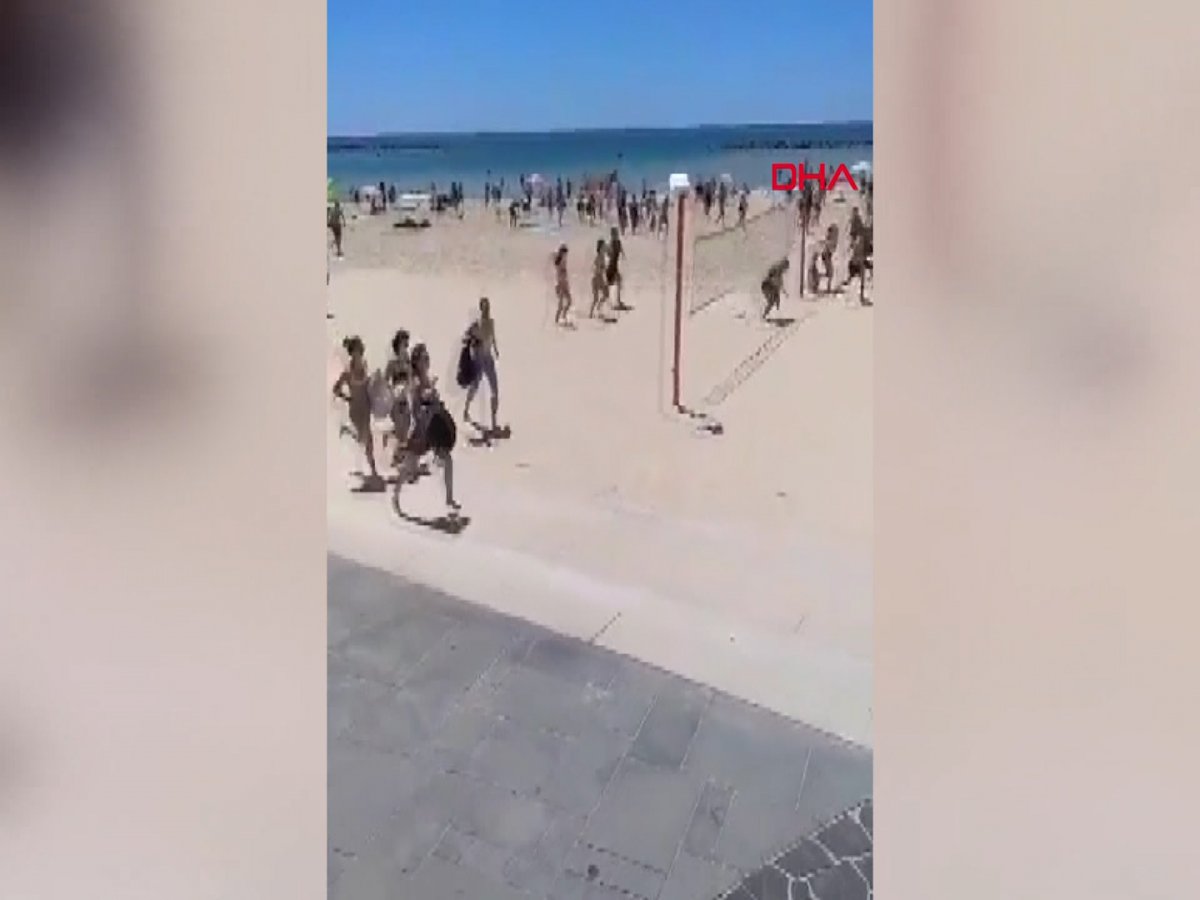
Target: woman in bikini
353, 386
599, 282
396, 373
562, 286
433, 429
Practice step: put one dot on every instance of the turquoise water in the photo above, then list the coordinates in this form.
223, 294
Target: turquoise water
413, 161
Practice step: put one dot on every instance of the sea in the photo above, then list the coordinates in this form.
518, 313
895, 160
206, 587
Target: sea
744, 152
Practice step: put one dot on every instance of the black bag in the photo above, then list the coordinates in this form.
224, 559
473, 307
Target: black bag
466, 366
441, 432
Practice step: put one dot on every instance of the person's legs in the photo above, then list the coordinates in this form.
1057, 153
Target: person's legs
493, 379
472, 390
367, 438
406, 472
447, 460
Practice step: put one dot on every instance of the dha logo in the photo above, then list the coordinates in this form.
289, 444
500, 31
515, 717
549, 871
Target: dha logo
789, 177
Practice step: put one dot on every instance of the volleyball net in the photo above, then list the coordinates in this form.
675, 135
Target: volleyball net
720, 339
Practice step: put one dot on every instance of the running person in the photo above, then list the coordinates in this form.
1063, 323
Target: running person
433, 430
481, 337
562, 285
354, 387
599, 283
772, 286
396, 373
337, 224
613, 275
828, 248
860, 263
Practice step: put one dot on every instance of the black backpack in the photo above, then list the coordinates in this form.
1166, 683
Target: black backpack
441, 432
466, 366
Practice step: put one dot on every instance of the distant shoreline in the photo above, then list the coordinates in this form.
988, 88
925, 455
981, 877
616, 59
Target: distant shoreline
406, 138
647, 155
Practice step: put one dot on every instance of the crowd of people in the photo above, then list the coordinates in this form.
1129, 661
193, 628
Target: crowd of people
406, 395
404, 392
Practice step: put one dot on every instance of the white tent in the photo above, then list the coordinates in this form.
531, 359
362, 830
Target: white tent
678, 182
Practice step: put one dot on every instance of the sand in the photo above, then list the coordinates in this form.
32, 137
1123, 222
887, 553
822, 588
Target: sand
741, 559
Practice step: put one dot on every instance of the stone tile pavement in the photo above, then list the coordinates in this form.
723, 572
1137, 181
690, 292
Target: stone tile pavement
476, 756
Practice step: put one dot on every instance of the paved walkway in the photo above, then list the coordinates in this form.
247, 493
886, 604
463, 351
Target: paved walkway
476, 756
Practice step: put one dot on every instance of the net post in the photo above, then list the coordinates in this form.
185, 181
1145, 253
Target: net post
803, 241
679, 184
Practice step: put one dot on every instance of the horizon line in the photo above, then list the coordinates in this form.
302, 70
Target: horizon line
593, 128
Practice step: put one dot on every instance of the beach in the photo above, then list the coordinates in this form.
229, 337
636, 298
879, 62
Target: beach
741, 559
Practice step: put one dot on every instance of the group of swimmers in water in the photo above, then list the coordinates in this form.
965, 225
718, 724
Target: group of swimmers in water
407, 395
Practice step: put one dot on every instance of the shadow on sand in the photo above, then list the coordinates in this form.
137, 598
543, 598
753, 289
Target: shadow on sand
487, 437
448, 524
704, 423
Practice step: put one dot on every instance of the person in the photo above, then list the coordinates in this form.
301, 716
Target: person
613, 275
560, 204
856, 226
663, 221
860, 262
481, 338
337, 222
562, 286
433, 430
599, 283
772, 286
828, 248
396, 373
743, 206
354, 387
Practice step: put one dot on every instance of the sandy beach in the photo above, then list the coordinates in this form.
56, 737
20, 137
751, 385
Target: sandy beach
740, 559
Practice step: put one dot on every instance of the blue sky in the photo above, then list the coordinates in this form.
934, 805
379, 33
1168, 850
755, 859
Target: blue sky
490, 65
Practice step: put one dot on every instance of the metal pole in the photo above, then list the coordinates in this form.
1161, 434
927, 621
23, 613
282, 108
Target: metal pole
675, 395
803, 242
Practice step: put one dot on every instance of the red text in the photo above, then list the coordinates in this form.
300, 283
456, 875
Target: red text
789, 177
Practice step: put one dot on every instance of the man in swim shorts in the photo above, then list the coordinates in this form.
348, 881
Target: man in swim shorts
772, 286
